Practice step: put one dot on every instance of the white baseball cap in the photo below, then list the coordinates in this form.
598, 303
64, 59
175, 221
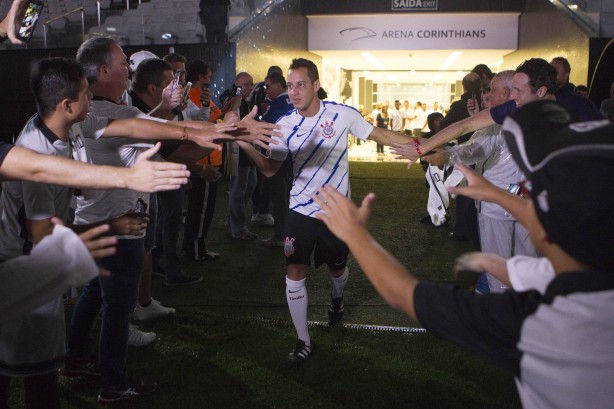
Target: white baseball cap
138, 57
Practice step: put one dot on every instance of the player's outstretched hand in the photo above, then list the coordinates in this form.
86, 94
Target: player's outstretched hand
257, 132
406, 151
340, 214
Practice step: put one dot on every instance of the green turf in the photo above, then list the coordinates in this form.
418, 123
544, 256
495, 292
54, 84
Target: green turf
227, 345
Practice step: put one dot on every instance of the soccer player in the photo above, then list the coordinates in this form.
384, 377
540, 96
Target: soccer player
315, 134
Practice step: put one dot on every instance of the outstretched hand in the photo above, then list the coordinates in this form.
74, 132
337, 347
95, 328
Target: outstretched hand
150, 176
436, 157
477, 187
340, 214
130, 224
407, 150
97, 241
257, 132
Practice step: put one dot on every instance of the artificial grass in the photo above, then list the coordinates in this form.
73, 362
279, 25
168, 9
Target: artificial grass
226, 347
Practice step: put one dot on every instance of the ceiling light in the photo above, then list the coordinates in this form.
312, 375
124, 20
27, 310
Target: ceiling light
369, 57
167, 36
450, 60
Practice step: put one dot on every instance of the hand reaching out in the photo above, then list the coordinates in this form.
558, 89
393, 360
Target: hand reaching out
340, 214
130, 224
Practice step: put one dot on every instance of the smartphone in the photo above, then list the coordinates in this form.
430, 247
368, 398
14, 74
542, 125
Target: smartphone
186, 93
33, 13
175, 82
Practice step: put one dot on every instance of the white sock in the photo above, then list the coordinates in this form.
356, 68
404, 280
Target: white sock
339, 283
296, 294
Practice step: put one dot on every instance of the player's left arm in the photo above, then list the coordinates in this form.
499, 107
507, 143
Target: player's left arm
387, 137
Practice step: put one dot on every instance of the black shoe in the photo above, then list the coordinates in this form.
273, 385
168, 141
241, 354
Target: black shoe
80, 367
335, 310
301, 352
183, 279
129, 391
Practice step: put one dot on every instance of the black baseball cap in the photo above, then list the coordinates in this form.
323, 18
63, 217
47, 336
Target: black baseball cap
571, 170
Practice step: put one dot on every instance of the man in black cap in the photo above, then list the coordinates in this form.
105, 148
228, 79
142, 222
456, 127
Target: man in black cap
540, 338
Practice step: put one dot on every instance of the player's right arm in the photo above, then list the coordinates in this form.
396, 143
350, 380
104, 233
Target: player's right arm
267, 166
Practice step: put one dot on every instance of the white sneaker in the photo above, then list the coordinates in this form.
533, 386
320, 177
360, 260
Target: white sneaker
264, 219
152, 311
138, 338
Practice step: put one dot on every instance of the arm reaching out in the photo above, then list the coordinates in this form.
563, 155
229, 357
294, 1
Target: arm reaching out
252, 131
12, 22
146, 176
146, 129
478, 262
480, 120
391, 280
479, 188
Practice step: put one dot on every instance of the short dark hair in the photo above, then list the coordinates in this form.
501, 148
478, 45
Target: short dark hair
540, 73
483, 69
312, 69
275, 68
431, 118
175, 57
565, 63
53, 80
277, 78
197, 68
150, 71
94, 53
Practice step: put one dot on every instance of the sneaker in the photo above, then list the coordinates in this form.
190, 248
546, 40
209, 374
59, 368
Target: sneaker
138, 338
152, 311
129, 391
263, 219
183, 279
208, 256
272, 242
80, 367
301, 352
246, 235
335, 310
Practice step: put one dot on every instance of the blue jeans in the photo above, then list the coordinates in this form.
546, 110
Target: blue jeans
241, 189
117, 296
170, 221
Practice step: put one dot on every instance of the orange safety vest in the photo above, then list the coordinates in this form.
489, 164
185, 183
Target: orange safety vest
215, 157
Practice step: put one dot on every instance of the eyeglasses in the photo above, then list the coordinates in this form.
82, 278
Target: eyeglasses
485, 90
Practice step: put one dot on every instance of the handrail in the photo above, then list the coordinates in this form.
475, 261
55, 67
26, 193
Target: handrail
232, 34
46, 23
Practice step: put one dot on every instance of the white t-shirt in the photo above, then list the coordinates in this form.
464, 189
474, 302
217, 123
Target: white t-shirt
529, 273
319, 149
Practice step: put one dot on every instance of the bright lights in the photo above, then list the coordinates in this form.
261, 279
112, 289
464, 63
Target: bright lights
450, 60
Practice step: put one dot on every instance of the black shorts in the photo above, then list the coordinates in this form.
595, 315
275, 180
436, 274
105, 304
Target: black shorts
306, 235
